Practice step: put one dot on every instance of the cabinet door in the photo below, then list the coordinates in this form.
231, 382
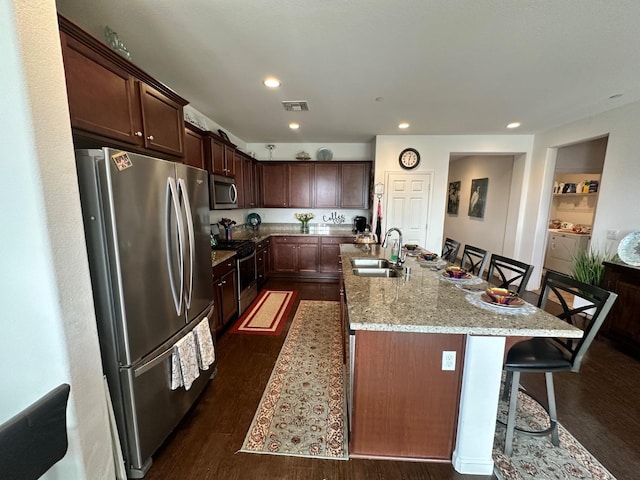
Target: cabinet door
163, 122
229, 161
248, 179
326, 185
621, 324
194, 149
257, 182
300, 185
284, 255
330, 253
229, 296
354, 185
307, 257
101, 94
274, 185
216, 154
240, 180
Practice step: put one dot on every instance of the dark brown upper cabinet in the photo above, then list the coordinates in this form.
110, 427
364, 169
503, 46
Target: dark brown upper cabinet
114, 102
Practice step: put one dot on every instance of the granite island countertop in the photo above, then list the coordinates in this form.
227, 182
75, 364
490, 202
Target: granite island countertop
423, 303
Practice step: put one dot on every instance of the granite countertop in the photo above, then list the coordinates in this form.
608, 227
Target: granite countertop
424, 303
219, 256
290, 229
268, 230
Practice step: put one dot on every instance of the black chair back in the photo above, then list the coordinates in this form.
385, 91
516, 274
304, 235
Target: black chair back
588, 317
511, 274
476, 258
450, 250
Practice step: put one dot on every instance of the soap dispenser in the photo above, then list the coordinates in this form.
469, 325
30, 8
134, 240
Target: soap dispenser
395, 251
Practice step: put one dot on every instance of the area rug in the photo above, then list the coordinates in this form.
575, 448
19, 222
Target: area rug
536, 457
302, 410
267, 314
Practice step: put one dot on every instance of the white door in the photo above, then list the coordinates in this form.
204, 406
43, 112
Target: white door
408, 205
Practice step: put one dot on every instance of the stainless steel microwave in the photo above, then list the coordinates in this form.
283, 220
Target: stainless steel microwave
223, 192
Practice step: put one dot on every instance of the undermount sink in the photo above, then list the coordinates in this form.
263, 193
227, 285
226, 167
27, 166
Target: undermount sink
375, 272
378, 263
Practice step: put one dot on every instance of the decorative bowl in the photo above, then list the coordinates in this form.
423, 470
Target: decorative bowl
410, 246
429, 256
456, 272
501, 296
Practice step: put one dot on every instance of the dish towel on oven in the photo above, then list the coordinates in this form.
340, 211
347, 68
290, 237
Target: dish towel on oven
184, 362
204, 342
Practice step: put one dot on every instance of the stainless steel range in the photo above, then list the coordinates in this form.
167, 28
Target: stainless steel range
246, 266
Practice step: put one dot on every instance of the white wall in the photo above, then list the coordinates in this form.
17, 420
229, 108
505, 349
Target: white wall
488, 232
49, 332
288, 151
435, 152
619, 195
286, 215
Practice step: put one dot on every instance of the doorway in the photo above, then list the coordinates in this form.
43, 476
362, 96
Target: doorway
576, 185
407, 207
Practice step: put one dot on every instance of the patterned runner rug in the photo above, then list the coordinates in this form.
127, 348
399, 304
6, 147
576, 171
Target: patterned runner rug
267, 314
536, 457
302, 411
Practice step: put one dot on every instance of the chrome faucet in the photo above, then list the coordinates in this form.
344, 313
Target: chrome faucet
401, 259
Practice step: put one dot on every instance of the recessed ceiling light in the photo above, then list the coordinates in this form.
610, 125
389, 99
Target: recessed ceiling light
403, 125
513, 125
271, 82
294, 126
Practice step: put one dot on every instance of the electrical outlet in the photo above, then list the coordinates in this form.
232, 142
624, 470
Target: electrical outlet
612, 234
448, 360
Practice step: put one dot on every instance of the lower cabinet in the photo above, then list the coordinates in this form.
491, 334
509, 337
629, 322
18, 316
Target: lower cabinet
225, 293
622, 324
295, 255
307, 256
330, 253
263, 261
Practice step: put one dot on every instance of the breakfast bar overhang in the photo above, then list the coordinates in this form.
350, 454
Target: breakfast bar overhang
399, 328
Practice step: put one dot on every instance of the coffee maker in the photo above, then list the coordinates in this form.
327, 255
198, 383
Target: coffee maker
359, 224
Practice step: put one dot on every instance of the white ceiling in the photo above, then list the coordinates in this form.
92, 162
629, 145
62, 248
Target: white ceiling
446, 67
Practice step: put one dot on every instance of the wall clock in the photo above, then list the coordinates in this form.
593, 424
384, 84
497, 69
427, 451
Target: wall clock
409, 158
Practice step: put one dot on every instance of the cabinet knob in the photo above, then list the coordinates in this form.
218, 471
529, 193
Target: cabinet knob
138, 134
224, 282
219, 284
150, 137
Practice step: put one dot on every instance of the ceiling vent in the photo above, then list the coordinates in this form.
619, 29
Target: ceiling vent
296, 106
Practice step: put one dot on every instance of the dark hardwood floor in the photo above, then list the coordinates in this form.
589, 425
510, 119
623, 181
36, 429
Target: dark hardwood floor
599, 406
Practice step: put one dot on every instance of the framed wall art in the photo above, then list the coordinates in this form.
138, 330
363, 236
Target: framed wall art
453, 201
478, 198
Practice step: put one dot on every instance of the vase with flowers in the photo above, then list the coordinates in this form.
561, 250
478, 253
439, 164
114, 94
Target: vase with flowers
227, 223
304, 219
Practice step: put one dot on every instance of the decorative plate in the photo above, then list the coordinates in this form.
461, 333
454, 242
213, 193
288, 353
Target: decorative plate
515, 303
254, 219
324, 153
466, 276
629, 249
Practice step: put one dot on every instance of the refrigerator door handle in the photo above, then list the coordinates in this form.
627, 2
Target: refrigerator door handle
182, 188
141, 370
172, 205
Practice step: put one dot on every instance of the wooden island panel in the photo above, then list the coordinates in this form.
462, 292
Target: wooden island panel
404, 404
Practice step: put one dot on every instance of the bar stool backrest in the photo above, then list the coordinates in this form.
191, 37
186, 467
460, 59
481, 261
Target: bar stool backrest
476, 258
588, 317
450, 250
511, 274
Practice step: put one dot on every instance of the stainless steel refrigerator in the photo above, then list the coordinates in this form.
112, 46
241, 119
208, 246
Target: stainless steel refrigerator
147, 229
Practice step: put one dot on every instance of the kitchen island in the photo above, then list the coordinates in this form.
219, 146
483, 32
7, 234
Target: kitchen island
426, 365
